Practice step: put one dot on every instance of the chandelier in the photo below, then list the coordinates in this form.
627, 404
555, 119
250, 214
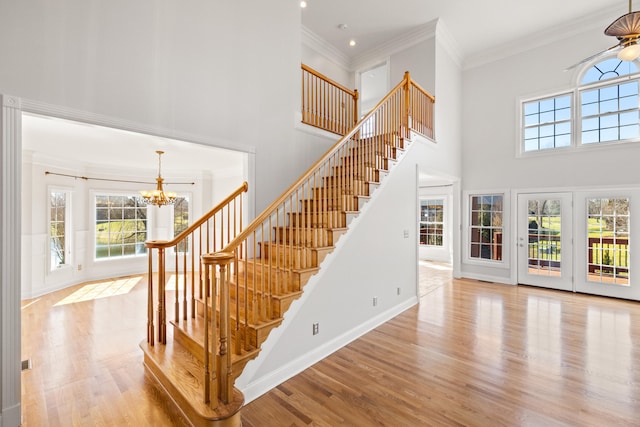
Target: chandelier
159, 197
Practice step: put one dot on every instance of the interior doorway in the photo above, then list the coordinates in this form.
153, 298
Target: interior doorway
374, 85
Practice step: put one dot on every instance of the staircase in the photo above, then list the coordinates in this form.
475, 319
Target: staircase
235, 283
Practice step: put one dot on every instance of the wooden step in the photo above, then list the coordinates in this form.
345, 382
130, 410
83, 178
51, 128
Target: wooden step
355, 172
190, 334
258, 324
181, 376
294, 256
317, 236
288, 280
331, 219
341, 203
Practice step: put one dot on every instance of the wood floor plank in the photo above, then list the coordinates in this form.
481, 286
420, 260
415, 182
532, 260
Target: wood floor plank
470, 354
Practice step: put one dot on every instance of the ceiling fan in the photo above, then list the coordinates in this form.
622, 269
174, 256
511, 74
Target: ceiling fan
627, 30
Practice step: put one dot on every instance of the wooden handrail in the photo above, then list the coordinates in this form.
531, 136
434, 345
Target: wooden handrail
424, 91
169, 243
318, 74
268, 211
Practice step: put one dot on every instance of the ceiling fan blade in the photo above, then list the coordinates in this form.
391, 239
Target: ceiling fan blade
624, 26
592, 57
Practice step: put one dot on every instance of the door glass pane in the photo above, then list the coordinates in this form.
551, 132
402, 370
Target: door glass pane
608, 242
544, 233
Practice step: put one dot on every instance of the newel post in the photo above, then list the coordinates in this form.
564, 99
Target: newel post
356, 96
407, 102
224, 370
162, 298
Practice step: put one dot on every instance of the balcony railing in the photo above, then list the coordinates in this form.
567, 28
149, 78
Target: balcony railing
326, 104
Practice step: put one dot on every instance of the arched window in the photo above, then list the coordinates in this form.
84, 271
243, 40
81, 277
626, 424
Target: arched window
604, 107
609, 109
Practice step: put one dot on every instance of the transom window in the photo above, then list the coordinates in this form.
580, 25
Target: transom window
608, 109
121, 226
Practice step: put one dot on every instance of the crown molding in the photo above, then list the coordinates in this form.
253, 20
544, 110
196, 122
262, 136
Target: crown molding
545, 37
410, 38
315, 42
445, 38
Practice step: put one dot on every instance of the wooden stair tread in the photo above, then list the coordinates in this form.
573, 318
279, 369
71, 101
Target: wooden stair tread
182, 376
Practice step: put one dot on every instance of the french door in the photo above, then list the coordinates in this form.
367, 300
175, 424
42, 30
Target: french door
606, 251
545, 240
580, 241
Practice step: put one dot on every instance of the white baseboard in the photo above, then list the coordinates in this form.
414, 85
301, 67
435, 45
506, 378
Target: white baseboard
10, 417
487, 278
262, 385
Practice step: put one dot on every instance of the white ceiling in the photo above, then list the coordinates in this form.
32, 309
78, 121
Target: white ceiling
475, 25
69, 142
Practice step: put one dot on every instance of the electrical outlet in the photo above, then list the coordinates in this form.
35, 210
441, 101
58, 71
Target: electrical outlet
316, 328
375, 301
79, 267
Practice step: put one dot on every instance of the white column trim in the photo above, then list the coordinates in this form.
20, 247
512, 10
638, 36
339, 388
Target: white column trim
10, 262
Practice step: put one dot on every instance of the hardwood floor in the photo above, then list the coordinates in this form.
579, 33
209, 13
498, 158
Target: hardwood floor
471, 353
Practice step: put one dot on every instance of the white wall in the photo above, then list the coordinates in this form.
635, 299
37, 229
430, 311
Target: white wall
492, 91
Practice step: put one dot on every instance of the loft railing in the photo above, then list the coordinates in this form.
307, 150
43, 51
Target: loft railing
266, 258
209, 234
326, 104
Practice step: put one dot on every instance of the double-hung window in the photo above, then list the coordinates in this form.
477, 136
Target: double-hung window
121, 226
431, 222
485, 227
59, 225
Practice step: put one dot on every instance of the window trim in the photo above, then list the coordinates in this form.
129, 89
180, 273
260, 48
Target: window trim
504, 263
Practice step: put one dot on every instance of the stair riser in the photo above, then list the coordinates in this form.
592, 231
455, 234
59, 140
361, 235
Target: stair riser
314, 237
334, 219
296, 256
345, 203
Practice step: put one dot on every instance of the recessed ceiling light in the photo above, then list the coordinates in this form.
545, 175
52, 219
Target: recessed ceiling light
303, 4
352, 42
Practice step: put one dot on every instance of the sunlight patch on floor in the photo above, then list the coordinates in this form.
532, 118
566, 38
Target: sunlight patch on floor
436, 265
102, 289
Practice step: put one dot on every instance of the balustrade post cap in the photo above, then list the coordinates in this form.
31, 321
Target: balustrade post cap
218, 258
152, 243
